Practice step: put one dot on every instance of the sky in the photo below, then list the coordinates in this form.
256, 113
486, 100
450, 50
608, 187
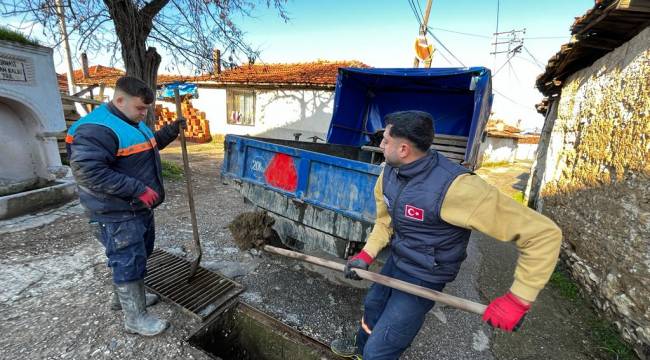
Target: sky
381, 33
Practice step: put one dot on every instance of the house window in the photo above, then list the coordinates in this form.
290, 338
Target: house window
240, 107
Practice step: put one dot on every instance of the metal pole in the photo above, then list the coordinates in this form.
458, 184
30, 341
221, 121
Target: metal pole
66, 45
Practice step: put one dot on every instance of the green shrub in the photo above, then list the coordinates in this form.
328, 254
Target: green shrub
171, 170
11, 35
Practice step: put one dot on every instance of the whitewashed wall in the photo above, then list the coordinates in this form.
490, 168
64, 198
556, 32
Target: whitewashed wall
281, 113
526, 152
278, 113
108, 92
495, 149
31, 113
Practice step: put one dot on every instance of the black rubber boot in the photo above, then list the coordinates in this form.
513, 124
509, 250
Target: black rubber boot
136, 318
150, 300
346, 348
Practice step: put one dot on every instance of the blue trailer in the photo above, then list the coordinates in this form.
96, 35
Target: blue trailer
321, 194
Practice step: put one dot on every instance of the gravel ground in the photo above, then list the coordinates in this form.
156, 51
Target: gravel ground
55, 293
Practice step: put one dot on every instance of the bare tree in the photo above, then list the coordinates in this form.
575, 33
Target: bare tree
187, 29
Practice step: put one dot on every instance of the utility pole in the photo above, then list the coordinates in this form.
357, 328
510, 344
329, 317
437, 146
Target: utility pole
423, 33
66, 45
513, 42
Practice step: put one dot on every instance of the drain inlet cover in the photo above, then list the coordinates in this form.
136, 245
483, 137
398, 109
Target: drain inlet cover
207, 292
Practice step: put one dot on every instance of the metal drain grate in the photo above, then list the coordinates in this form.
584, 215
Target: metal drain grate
207, 292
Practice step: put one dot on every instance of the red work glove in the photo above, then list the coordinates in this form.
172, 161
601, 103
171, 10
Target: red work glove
506, 312
148, 197
362, 260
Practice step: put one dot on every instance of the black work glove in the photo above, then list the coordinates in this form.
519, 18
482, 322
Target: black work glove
179, 124
361, 260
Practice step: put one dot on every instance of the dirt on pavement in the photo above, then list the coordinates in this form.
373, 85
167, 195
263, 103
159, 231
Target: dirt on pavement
54, 299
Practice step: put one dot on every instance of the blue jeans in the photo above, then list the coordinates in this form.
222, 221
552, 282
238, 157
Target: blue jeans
393, 316
128, 244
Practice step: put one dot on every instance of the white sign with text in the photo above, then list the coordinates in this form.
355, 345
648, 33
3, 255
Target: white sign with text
12, 69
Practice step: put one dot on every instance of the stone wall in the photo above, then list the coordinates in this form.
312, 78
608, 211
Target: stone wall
596, 184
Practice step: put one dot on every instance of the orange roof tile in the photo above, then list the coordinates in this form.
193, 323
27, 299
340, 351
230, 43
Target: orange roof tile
98, 74
63, 82
315, 73
495, 126
319, 73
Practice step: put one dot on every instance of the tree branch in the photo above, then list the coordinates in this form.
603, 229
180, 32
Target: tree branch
149, 11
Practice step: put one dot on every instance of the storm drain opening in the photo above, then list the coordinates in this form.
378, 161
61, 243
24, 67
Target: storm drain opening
207, 292
245, 333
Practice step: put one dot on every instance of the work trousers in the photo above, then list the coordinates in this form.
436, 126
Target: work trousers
128, 244
393, 317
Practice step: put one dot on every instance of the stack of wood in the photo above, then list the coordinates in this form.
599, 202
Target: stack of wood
197, 130
71, 115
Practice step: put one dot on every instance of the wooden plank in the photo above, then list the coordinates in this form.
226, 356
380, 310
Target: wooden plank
460, 143
101, 92
85, 90
444, 149
634, 5
453, 137
80, 100
452, 156
453, 149
373, 149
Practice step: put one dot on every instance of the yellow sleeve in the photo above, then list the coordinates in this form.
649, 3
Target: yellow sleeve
382, 231
472, 203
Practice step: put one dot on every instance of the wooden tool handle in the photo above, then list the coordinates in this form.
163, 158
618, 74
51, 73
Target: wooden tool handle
426, 293
190, 194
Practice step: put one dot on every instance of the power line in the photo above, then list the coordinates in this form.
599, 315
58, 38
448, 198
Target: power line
444, 47
510, 99
528, 61
460, 32
415, 12
444, 57
545, 37
537, 62
496, 37
414, 9
513, 43
420, 8
504, 64
489, 37
514, 72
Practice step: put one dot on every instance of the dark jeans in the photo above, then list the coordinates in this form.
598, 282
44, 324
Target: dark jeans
393, 316
128, 244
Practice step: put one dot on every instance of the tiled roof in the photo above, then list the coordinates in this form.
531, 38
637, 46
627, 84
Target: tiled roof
608, 25
315, 73
320, 73
97, 74
497, 128
63, 82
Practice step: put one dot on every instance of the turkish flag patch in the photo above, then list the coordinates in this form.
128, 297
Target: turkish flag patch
414, 213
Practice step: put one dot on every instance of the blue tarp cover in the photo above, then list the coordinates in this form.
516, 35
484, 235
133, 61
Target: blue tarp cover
167, 91
456, 97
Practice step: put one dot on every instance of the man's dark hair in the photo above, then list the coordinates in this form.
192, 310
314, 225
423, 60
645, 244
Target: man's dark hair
135, 87
415, 126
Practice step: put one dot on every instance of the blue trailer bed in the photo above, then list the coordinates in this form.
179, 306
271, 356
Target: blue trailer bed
321, 195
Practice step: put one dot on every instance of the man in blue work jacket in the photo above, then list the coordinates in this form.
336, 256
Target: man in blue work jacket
427, 207
114, 158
